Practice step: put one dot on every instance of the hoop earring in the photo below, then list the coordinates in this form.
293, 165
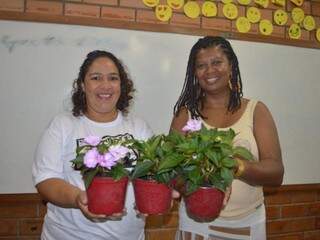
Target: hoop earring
230, 85
238, 86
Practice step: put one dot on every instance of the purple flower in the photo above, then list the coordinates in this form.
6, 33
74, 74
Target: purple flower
118, 151
92, 140
192, 125
91, 158
107, 160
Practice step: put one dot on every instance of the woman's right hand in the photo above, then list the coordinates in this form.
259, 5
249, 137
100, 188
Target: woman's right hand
82, 203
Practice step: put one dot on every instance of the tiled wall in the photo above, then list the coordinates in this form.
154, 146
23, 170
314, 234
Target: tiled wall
293, 213
133, 14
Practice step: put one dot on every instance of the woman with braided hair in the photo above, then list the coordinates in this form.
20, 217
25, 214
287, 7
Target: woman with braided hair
212, 92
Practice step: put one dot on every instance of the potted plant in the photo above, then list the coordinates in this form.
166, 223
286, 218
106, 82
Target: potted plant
154, 170
103, 163
207, 169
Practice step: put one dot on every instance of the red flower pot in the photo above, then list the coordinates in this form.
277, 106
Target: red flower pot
107, 196
151, 197
204, 204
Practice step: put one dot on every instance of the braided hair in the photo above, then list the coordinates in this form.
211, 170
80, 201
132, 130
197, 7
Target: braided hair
78, 95
191, 95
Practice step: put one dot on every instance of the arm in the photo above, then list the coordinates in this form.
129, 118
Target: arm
269, 170
179, 121
59, 192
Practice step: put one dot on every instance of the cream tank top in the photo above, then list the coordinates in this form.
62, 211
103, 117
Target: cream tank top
244, 198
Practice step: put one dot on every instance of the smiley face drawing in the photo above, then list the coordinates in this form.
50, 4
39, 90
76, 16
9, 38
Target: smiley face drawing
230, 11
253, 14
163, 12
150, 3
280, 17
227, 1
265, 27
318, 34
244, 2
297, 2
243, 24
294, 31
279, 2
191, 9
309, 23
297, 15
209, 9
175, 4
262, 3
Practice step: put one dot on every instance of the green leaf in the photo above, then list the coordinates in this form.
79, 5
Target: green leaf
118, 172
170, 161
142, 168
88, 176
226, 174
228, 162
242, 152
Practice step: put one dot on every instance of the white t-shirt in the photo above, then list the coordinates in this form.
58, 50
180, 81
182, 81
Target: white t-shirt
52, 160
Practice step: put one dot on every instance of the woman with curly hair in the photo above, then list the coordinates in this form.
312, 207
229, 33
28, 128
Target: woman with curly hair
101, 96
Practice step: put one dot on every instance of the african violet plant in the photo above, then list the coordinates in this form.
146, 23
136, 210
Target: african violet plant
109, 156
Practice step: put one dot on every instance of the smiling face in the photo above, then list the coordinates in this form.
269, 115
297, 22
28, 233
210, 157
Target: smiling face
163, 12
297, 15
191, 9
265, 27
209, 9
280, 17
151, 3
294, 31
253, 14
102, 90
213, 70
175, 4
230, 11
309, 23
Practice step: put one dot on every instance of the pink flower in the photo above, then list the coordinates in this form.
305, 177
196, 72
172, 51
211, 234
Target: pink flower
91, 158
192, 125
107, 160
92, 140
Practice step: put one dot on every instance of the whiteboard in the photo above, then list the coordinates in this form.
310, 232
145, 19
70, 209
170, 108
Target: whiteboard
39, 61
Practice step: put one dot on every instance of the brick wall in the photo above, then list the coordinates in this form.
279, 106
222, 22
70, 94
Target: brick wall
293, 213
133, 14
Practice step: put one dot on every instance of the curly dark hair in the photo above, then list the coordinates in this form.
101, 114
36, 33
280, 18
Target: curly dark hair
78, 95
192, 95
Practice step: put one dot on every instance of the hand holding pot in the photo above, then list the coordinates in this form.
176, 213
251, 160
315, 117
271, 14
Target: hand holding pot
82, 203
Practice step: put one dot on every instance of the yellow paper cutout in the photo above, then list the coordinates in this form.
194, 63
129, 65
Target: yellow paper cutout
191, 9
262, 3
150, 3
243, 24
163, 12
318, 34
230, 11
209, 9
175, 4
294, 31
281, 3
297, 2
265, 27
280, 17
297, 15
253, 14
244, 2
309, 23
227, 1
